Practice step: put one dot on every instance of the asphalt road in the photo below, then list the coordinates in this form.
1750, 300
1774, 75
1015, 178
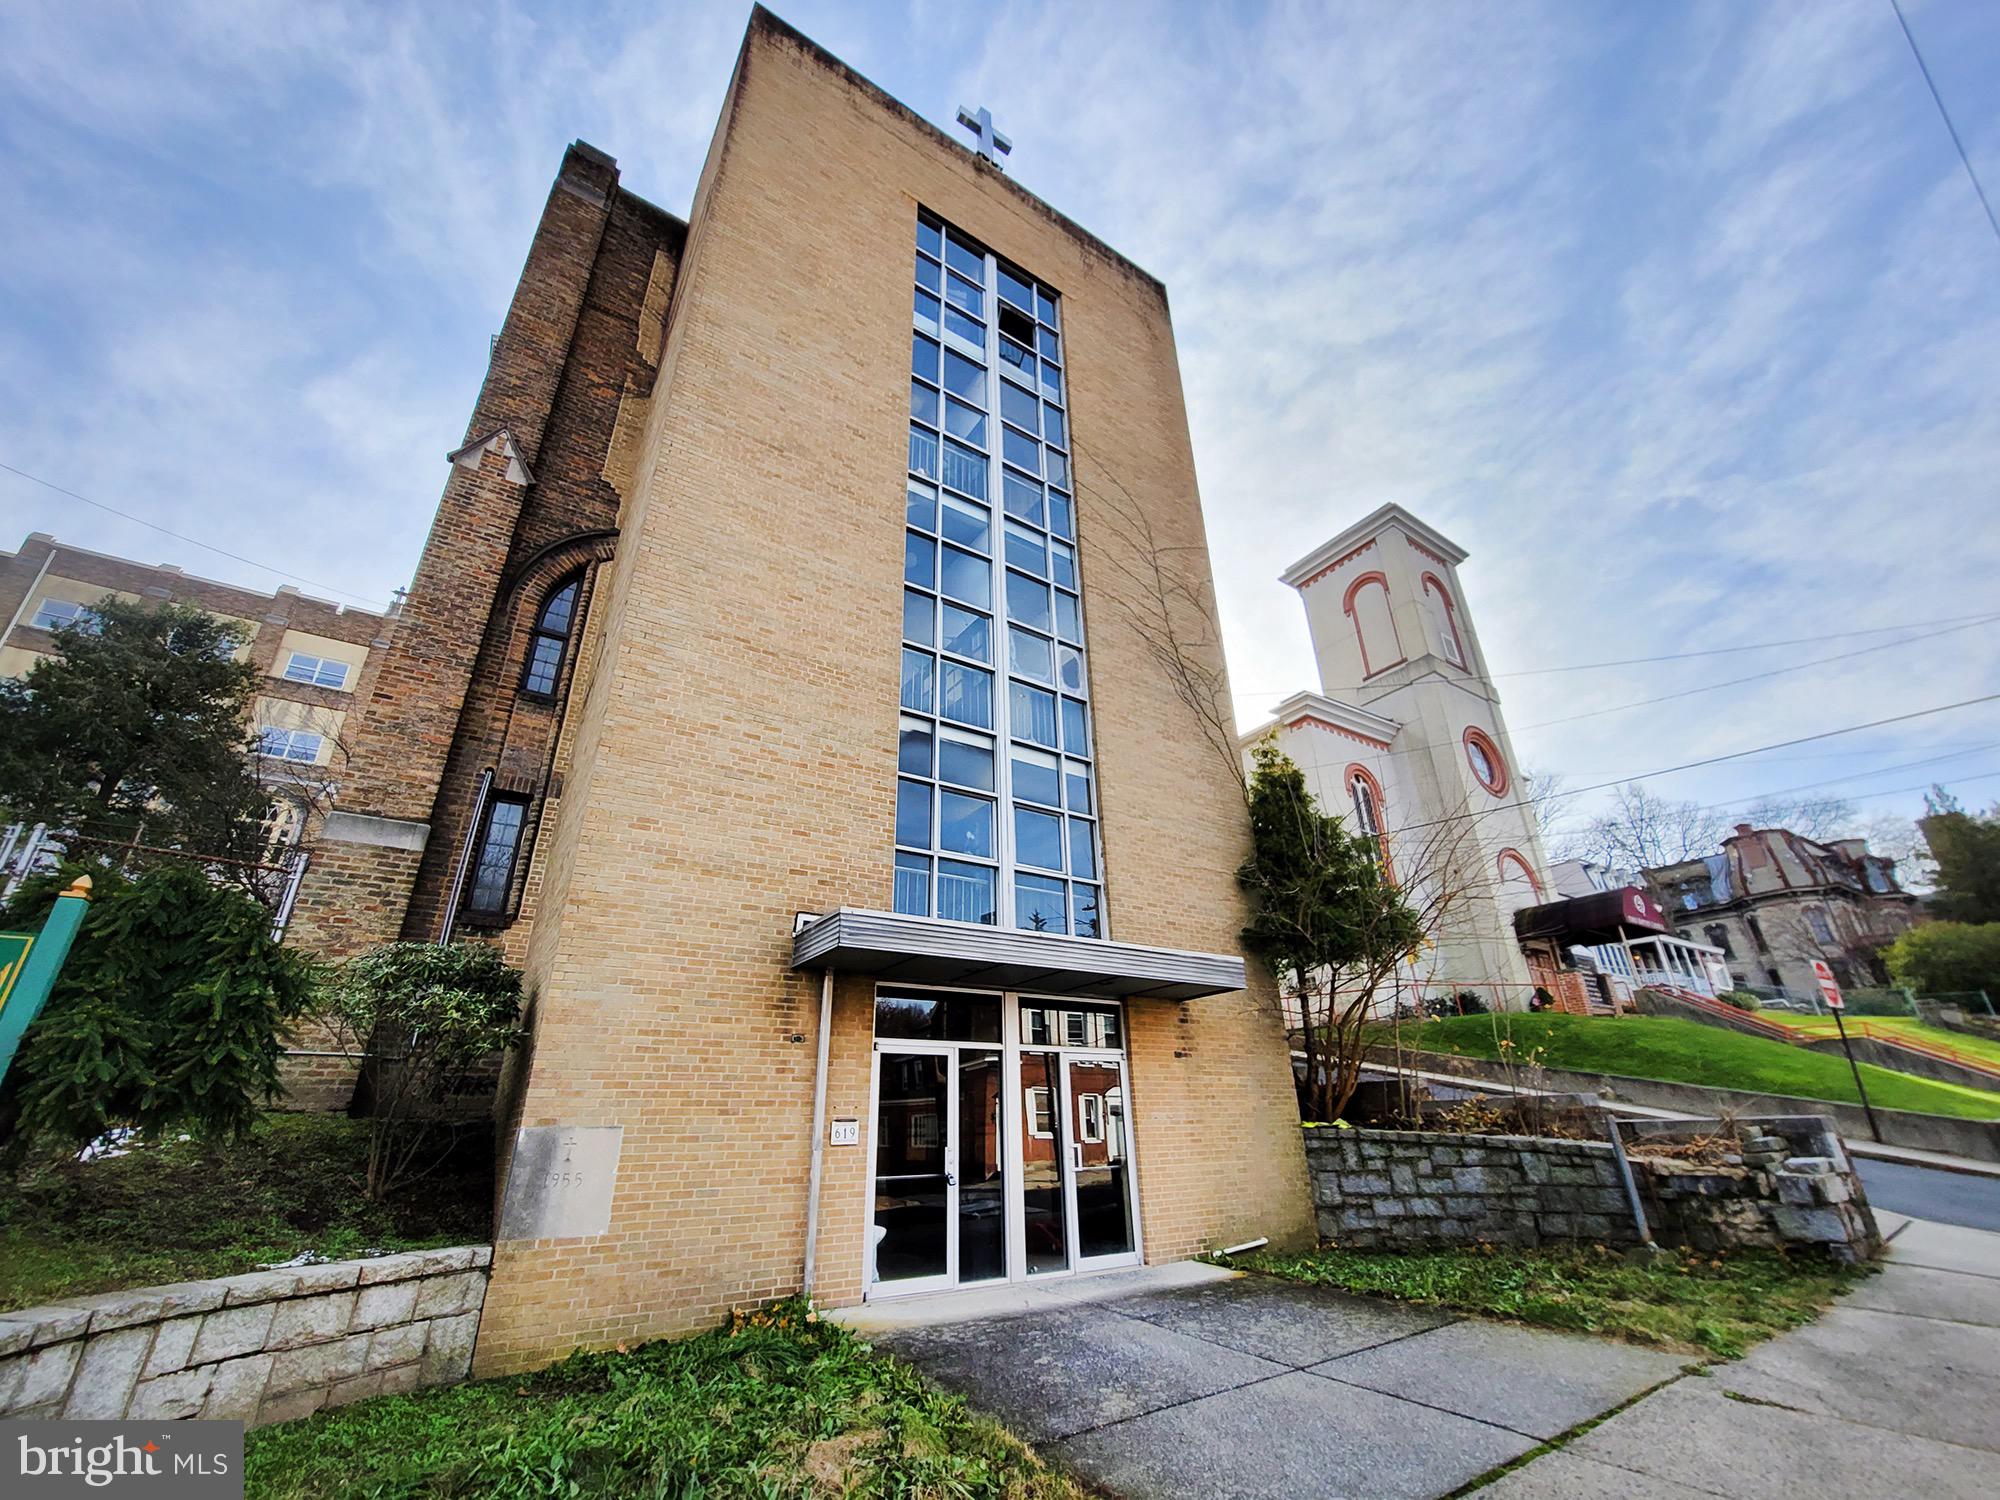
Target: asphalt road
1926, 1193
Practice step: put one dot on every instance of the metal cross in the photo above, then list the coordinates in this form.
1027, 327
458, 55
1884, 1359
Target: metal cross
992, 144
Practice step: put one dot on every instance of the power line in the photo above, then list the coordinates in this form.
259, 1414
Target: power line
1945, 115
191, 541
1712, 760
1638, 661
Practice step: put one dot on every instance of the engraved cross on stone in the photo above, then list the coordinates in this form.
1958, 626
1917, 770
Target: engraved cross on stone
992, 144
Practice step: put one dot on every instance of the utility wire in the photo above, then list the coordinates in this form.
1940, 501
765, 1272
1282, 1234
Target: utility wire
1945, 115
191, 541
1712, 760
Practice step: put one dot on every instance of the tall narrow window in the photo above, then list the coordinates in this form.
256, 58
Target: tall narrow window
551, 640
499, 843
996, 818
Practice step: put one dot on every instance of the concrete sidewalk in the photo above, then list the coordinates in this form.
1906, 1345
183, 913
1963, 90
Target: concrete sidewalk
1890, 1393
1231, 1385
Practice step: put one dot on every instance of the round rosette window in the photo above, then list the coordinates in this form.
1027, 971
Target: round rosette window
1484, 757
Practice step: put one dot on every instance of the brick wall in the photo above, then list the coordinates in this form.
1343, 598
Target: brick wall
264, 1347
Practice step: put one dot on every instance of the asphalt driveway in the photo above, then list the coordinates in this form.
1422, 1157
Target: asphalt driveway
1249, 1386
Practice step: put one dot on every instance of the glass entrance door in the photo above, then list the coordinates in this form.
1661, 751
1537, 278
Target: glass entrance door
1100, 1186
939, 1191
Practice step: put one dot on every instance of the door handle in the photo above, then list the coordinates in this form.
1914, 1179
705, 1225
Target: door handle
1076, 1156
950, 1180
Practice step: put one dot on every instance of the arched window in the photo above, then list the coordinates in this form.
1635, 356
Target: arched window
1364, 795
1444, 617
1484, 758
1519, 885
1366, 603
551, 639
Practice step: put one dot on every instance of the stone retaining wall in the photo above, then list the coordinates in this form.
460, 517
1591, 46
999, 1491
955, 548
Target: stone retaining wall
1788, 1183
259, 1348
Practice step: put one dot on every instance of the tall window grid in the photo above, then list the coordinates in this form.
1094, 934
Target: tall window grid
996, 805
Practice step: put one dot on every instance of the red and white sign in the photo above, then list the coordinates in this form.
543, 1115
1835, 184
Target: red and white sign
1829, 987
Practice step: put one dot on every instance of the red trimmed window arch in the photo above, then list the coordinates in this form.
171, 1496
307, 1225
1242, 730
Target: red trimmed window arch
1351, 604
1519, 863
1488, 767
1364, 799
1454, 643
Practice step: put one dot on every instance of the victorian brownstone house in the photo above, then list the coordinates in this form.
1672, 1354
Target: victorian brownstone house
874, 888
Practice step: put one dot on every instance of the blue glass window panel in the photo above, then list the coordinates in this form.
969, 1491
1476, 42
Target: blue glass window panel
965, 470
924, 357
1038, 839
920, 509
1069, 668
1016, 290
965, 763
1017, 357
964, 379
930, 237
965, 892
917, 668
913, 885
919, 560
924, 312
1069, 623
1023, 496
1082, 849
1051, 376
913, 747
1065, 563
1020, 450
930, 273
963, 258
923, 453
1059, 514
1055, 427
967, 634
913, 814
1051, 344
970, 329
969, 525
1039, 905
1018, 407
966, 294
1027, 601
965, 824
968, 578
1087, 923
1078, 780
924, 403
1058, 468
1034, 714
917, 612
1034, 777
1028, 654
1027, 551
968, 695
1045, 305
1074, 739
963, 421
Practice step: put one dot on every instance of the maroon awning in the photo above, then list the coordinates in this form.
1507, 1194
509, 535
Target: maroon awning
1587, 921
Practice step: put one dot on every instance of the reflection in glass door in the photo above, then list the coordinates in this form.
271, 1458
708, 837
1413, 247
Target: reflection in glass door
980, 1154
913, 1184
1099, 1157
1044, 1153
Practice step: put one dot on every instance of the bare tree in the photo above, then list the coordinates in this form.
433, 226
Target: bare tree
1817, 817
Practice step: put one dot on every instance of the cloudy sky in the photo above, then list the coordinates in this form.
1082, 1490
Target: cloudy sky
1683, 319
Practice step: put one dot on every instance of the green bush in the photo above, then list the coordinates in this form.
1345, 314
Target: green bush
1741, 999
1942, 958
167, 1016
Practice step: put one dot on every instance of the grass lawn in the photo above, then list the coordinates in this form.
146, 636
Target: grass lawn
772, 1406
1985, 1049
1715, 1305
1678, 1051
182, 1211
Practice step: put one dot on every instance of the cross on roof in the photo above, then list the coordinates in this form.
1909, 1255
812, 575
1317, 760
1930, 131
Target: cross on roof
992, 144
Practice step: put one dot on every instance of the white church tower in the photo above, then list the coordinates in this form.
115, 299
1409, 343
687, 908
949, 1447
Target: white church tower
1405, 739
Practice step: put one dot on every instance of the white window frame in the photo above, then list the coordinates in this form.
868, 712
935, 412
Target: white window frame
1090, 1118
49, 616
314, 675
274, 743
1042, 1109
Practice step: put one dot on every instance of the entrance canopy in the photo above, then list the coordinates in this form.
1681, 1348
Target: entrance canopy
1590, 921
925, 950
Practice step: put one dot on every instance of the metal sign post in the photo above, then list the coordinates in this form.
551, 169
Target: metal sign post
1829, 989
29, 966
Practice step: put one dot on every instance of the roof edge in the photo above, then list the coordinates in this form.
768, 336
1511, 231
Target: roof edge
1367, 529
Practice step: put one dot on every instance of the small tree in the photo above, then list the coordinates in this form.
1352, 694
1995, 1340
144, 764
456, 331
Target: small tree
1325, 919
424, 1019
168, 1015
1944, 958
1966, 847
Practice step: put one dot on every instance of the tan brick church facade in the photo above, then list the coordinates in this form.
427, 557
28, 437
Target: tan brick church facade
745, 682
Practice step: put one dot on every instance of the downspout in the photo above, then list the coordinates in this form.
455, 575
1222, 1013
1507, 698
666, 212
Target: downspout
818, 1134
465, 856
